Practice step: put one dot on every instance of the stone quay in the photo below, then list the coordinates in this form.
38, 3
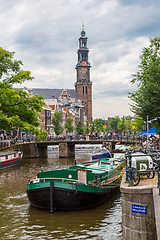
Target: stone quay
140, 210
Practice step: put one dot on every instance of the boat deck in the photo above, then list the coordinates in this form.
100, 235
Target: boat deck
3, 153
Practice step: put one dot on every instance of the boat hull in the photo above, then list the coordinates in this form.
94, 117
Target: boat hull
99, 156
69, 198
10, 163
10, 158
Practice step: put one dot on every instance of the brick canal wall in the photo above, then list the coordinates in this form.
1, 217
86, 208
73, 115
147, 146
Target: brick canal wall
32, 150
138, 212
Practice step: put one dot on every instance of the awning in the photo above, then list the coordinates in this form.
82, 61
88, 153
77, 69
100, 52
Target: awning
151, 131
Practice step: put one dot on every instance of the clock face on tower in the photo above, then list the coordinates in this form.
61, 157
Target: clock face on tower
83, 73
83, 63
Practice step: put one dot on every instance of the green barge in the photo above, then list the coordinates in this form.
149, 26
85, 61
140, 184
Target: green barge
78, 187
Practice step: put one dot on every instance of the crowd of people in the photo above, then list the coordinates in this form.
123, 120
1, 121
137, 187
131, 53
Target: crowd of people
152, 142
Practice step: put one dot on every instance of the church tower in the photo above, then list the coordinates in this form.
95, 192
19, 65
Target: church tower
83, 85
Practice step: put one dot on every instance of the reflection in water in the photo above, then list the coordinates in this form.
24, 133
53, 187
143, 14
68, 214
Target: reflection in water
21, 221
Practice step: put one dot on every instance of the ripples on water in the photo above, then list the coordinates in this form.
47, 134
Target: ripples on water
18, 220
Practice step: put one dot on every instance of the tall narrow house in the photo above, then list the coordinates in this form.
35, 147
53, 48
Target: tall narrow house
83, 85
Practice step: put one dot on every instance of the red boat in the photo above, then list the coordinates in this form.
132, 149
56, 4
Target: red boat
10, 158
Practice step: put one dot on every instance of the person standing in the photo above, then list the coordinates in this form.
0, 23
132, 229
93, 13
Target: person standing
68, 135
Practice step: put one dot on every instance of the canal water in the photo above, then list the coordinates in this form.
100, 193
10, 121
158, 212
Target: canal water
18, 220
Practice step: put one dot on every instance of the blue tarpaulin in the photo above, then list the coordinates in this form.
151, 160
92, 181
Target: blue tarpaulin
151, 131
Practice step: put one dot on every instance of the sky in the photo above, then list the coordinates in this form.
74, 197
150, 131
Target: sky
44, 36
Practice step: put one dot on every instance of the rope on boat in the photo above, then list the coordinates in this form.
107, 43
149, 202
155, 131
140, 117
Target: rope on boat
109, 183
94, 184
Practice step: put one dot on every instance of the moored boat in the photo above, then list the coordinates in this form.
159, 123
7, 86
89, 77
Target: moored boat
78, 187
10, 158
101, 153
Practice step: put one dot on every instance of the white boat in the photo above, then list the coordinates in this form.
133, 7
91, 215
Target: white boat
10, 158
101, 153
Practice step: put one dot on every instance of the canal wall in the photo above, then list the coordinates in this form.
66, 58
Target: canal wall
32, 150
140, 212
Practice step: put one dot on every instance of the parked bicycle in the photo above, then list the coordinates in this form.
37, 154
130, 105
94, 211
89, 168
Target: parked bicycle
138, 164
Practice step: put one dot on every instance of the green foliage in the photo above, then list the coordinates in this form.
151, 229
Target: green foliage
56, 121
68, 125
79, 128
138, 123
146, 98
121, 125
87, 128
124, 124
114, 123
40, 133
10, 69
128, 125
92, 127
98, 124
17, 109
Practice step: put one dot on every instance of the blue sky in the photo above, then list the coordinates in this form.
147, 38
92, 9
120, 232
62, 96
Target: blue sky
44, 35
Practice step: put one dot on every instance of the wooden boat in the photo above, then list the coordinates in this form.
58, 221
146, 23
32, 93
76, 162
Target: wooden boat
78, 187
10, 158
101, 153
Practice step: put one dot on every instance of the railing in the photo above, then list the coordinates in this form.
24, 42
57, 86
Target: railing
5, 144
61, 179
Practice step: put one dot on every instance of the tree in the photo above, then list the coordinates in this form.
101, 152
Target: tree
146, 99
98, 124
17, 109
68, 125
121, 126
87, 128
114, 122
124, 124
56, 121
138, 123
79, 128
41, 134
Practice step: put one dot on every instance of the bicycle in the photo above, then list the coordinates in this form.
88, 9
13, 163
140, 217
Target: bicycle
133, 176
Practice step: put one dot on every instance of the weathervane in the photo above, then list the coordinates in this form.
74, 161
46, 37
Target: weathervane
82, 26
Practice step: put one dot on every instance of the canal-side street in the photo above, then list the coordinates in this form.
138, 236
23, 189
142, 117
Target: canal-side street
21, 221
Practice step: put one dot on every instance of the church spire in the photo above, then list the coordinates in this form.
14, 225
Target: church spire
83, 85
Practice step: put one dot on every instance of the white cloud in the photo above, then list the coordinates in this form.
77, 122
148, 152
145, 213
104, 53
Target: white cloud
44, 34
